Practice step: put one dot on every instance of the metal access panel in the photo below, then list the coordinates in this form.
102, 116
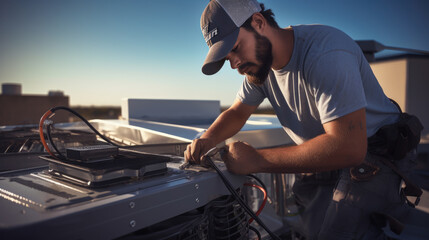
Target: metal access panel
34, 204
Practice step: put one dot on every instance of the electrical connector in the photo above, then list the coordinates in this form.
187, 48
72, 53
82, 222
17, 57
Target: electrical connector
88, 153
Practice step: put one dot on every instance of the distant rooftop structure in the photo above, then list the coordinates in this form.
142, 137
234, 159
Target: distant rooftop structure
371, 47
18, 109
11, 89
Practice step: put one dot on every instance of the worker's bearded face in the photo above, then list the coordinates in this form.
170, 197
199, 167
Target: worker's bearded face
264, 58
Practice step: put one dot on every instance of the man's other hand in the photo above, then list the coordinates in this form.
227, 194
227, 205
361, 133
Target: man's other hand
242, 158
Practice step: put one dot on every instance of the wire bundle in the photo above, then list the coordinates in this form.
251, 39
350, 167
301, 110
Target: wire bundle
50, 113
238, 198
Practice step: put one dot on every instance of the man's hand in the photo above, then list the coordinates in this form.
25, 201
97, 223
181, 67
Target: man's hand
197, 149
225, 126
242, 158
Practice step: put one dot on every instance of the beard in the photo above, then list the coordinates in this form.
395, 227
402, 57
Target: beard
264, 57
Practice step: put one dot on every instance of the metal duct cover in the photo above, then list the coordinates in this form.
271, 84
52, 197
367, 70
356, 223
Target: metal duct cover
171, 111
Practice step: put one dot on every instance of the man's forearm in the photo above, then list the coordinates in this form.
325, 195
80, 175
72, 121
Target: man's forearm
323, 153
342, 145
229, 122
225, 126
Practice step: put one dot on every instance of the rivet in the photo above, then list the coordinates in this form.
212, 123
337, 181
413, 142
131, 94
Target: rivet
361, 170
133, 223
197, 186
197, 200
132, 204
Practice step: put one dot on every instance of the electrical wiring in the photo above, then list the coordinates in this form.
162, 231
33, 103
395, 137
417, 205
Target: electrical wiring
256, 231
48, 133
42, 136
51, 113
258, 180
263, 202
237, 197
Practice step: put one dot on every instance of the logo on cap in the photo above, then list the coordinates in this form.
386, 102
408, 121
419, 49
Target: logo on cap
208, 35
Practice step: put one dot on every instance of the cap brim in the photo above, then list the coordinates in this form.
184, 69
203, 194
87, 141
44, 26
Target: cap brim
216, 56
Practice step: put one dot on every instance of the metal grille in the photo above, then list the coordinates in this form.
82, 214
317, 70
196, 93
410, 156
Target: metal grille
228, 220
221, 219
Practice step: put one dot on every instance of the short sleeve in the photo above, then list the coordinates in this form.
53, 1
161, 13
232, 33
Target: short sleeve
250, 94
336, 84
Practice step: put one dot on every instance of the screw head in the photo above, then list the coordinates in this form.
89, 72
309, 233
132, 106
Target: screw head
132, 204
197, 200
133, 223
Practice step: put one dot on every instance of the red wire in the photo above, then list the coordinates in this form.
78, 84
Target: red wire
42, 137
263, 202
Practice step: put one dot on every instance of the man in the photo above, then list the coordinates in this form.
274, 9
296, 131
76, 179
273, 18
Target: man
327, 99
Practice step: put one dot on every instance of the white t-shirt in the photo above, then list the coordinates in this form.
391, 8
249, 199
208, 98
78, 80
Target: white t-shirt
327, 77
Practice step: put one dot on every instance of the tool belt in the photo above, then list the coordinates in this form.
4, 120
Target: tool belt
392, 143
328, 177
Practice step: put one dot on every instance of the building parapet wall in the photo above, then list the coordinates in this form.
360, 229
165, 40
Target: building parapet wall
27, 109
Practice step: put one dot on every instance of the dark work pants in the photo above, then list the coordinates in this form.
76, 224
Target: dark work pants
346, 214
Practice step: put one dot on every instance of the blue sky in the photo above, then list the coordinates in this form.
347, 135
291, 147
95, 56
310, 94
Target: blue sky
99, 52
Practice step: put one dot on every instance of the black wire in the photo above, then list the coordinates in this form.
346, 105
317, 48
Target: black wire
255, 231
238, 198
48, 128
84, 120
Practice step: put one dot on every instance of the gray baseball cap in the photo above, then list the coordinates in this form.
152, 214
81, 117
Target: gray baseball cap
220, 24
